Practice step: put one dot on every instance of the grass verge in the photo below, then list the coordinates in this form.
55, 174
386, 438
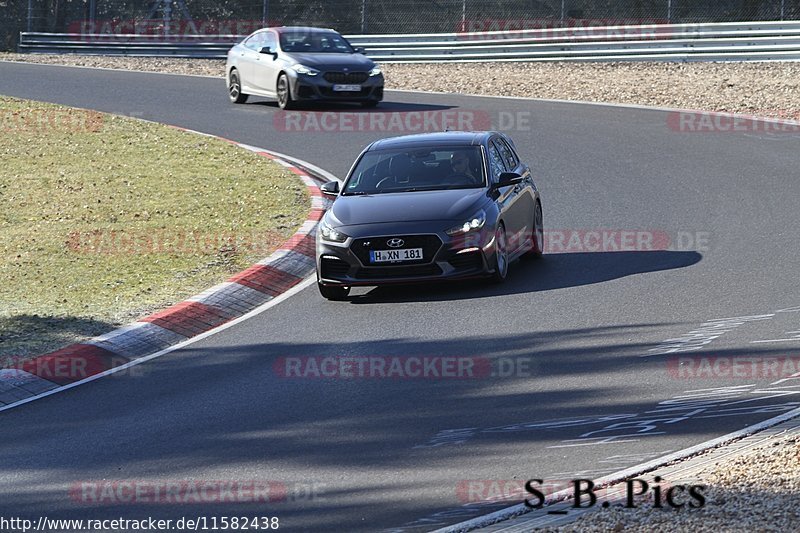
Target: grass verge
106, 219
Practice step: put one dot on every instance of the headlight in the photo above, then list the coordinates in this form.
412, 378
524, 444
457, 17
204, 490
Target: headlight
473, 224
302, 69
329, 234
375, 72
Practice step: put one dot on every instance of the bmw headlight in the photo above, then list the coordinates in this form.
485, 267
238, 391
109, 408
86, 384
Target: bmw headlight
307, 71
329, 234
375, 72
474, 223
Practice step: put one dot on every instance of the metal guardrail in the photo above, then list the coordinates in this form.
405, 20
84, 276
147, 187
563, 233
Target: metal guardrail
678, 42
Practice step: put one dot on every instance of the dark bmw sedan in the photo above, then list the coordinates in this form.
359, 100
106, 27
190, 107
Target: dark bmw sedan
298, 64
439, 206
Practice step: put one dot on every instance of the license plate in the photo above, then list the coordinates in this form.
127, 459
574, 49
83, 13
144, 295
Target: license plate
393, 256
347, 88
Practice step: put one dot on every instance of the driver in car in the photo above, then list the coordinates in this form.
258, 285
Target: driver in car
459, 165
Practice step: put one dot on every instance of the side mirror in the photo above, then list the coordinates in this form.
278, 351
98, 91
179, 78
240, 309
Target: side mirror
268, 51
508, 178
330, 188
361, 50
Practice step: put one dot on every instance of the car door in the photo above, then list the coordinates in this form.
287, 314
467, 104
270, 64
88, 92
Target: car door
525, 201
267, 66
506, 196
248, 55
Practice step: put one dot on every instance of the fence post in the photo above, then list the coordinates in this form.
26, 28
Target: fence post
30, 15
264, 13
563, 11
669, 11
464, 15
363, 16
167, 16
783, 9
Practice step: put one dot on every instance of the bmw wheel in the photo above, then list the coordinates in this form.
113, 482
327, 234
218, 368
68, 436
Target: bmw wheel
284, 93
235, 88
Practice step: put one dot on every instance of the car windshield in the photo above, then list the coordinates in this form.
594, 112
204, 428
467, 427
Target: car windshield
412, 170
315, 42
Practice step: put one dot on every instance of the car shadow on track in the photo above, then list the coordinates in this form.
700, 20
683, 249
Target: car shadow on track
552, 271
383, 107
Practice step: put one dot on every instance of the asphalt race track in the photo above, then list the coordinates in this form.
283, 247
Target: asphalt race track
579, 330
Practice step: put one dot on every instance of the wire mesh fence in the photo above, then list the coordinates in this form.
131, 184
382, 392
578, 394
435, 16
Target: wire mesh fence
218, 17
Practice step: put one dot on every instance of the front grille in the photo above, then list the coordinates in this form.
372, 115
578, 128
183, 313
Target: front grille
430, 245
466, 261
333, 268
346, 77
398, 272
328, 92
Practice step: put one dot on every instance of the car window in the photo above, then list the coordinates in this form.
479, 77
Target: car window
314, 42
270, 40
255, 41
508, 154
417, 169
495, 162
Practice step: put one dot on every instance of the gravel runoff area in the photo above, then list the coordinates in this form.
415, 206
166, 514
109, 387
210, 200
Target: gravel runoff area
760, 89
756, 491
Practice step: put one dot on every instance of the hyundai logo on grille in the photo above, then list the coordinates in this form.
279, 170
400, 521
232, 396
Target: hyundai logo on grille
395, 243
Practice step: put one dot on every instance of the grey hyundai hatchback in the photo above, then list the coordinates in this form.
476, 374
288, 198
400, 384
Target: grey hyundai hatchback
436, 206
298, 64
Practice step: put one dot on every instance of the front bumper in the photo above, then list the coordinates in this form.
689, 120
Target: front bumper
444, 258
317, 88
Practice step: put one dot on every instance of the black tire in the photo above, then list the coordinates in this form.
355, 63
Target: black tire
332, 292
500, 255
284, 93
538, 235
235, 88
369, 104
